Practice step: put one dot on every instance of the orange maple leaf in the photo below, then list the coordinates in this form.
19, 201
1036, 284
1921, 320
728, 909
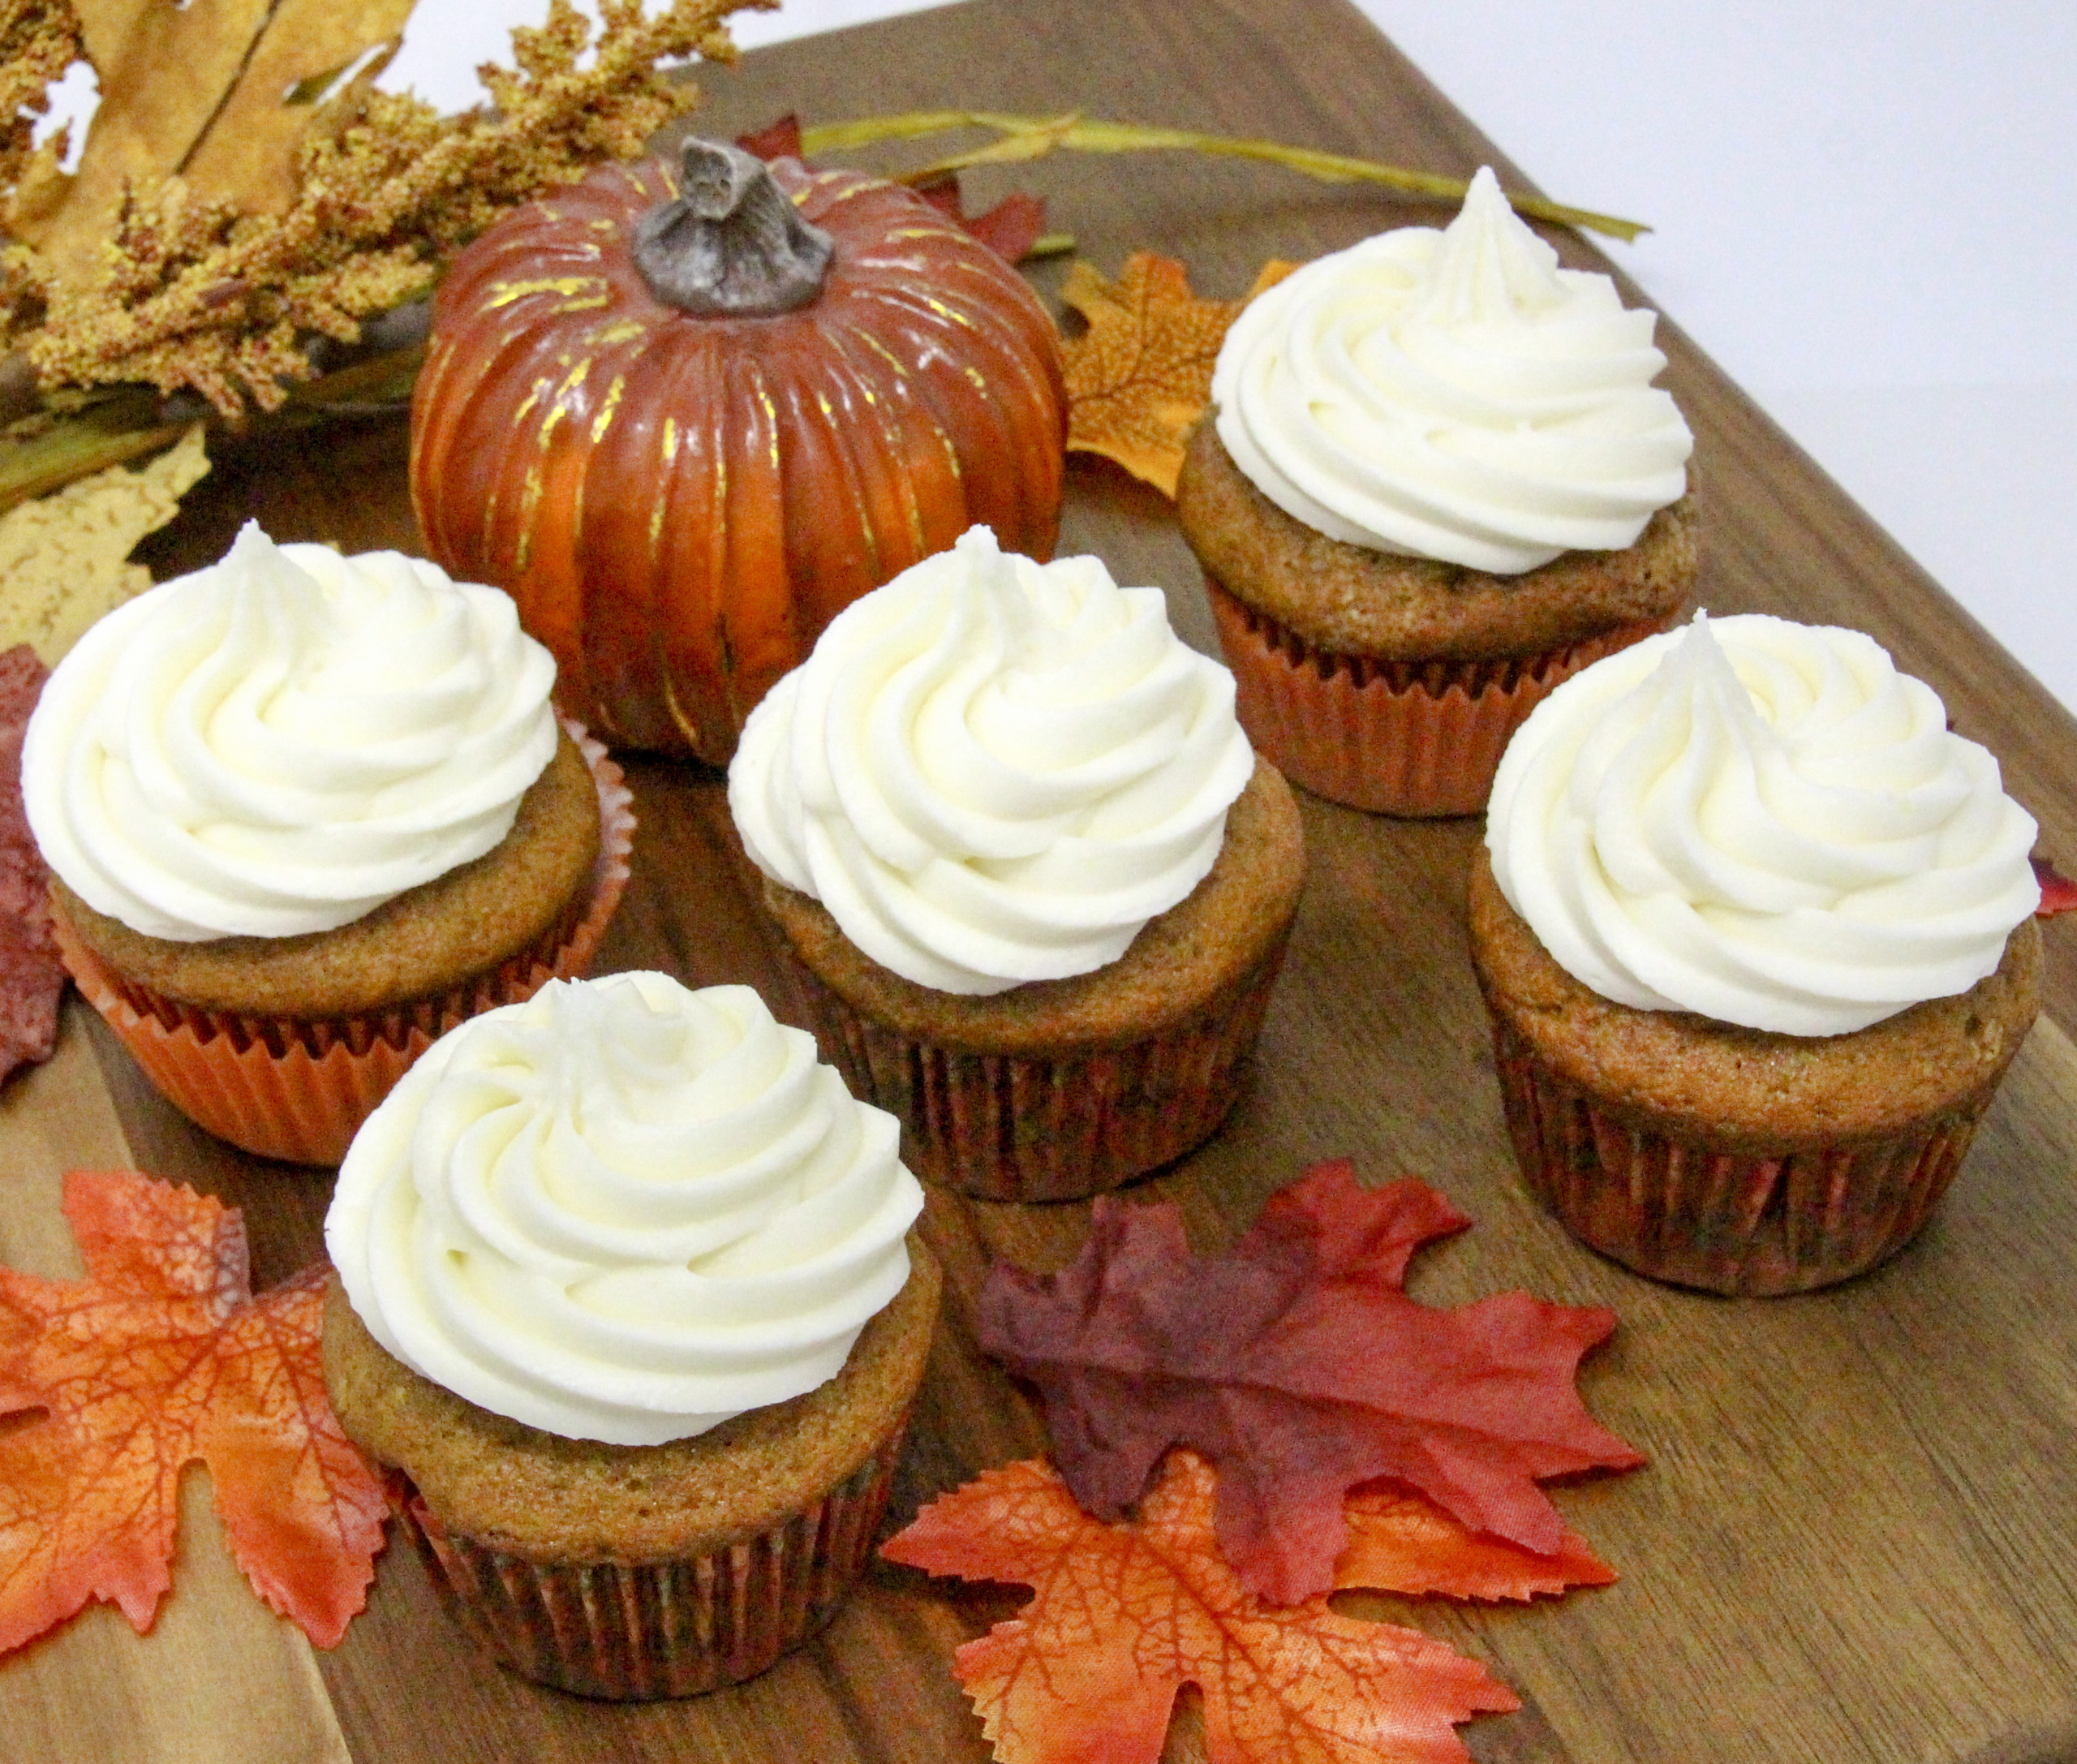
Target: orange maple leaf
161, 1356
1401, 1542
1139, 378
1125, 1615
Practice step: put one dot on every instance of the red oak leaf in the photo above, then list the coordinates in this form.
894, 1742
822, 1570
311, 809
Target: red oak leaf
32, 978
1126, 1615
1297, 1362
779, 139
2058, 893
1010, 229
162, 1355
1399, 1541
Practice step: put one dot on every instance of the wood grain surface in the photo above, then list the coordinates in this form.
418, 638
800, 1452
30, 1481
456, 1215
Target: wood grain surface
1853, 1541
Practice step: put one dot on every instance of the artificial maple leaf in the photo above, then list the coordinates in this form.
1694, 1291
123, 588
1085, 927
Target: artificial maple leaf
162, 1355
1010, 229
1296, 1361
1140, 377
1399, 1541
2058, 893
1125, 1615
32, 978
779, 139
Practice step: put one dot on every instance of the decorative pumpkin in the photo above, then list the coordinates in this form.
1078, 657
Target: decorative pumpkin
684, 421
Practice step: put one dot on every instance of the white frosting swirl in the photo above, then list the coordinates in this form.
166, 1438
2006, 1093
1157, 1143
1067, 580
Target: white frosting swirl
991, 772
622, 1210
1453, 395
1762, 822
283, 741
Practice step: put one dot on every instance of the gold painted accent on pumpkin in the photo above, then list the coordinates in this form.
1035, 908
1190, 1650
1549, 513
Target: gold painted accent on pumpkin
529, 499
620, 331
503, 294
528, 403
951, 315
605, 416
926, 232
685, 725
894, 364
670, 441
560, 410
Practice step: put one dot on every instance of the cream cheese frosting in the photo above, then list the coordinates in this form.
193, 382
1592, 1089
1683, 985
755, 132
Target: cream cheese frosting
1453, 395
1762, 822
991, 771
280, 742
622, 1210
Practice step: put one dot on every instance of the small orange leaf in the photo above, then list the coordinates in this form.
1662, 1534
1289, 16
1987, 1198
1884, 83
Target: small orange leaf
1125, 1615
1140, 377
1399, 1541
161, 1356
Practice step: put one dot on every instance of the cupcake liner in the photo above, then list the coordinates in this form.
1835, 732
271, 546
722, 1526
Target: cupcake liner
1040, 1127
1415, 738
634, 1632
1727, 1220
298, 1090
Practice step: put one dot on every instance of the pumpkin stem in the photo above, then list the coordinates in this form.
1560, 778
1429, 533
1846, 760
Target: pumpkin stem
731, 243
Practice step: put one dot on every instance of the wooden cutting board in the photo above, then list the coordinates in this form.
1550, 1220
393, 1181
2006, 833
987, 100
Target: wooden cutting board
1853, 1541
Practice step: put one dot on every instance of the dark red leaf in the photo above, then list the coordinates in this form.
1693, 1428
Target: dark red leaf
1297, 1362
780, 139
32, 978
1010, 229
2058, 893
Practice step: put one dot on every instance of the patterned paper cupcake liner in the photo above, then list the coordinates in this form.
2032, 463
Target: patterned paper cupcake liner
299, 1090
636, 1632
1740, 1222
1414, 738
1011, 1127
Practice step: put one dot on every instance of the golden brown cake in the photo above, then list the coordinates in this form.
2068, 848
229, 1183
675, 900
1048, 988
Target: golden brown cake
1060, 1087
1754, 927
1340, 599
1392, 683
1037, 880
644, 1381
1437, 480
304, 812
522, 895
549, 1500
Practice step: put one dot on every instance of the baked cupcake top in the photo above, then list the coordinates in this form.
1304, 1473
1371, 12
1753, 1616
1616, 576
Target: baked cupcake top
622, 1211
1453, 395
283, 741
990, 771
1761, 822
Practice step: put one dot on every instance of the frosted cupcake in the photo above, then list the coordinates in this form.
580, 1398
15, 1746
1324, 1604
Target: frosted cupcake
1755, 931
1440, 481
628, 1299
303, 812
1036, 882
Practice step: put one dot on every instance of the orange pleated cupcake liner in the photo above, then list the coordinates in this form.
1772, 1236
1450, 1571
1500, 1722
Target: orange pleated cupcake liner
636, 1632
1735, 1221
299, 1090
1414, 738
1012, 1127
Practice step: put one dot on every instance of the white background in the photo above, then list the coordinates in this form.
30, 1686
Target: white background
1867, 213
